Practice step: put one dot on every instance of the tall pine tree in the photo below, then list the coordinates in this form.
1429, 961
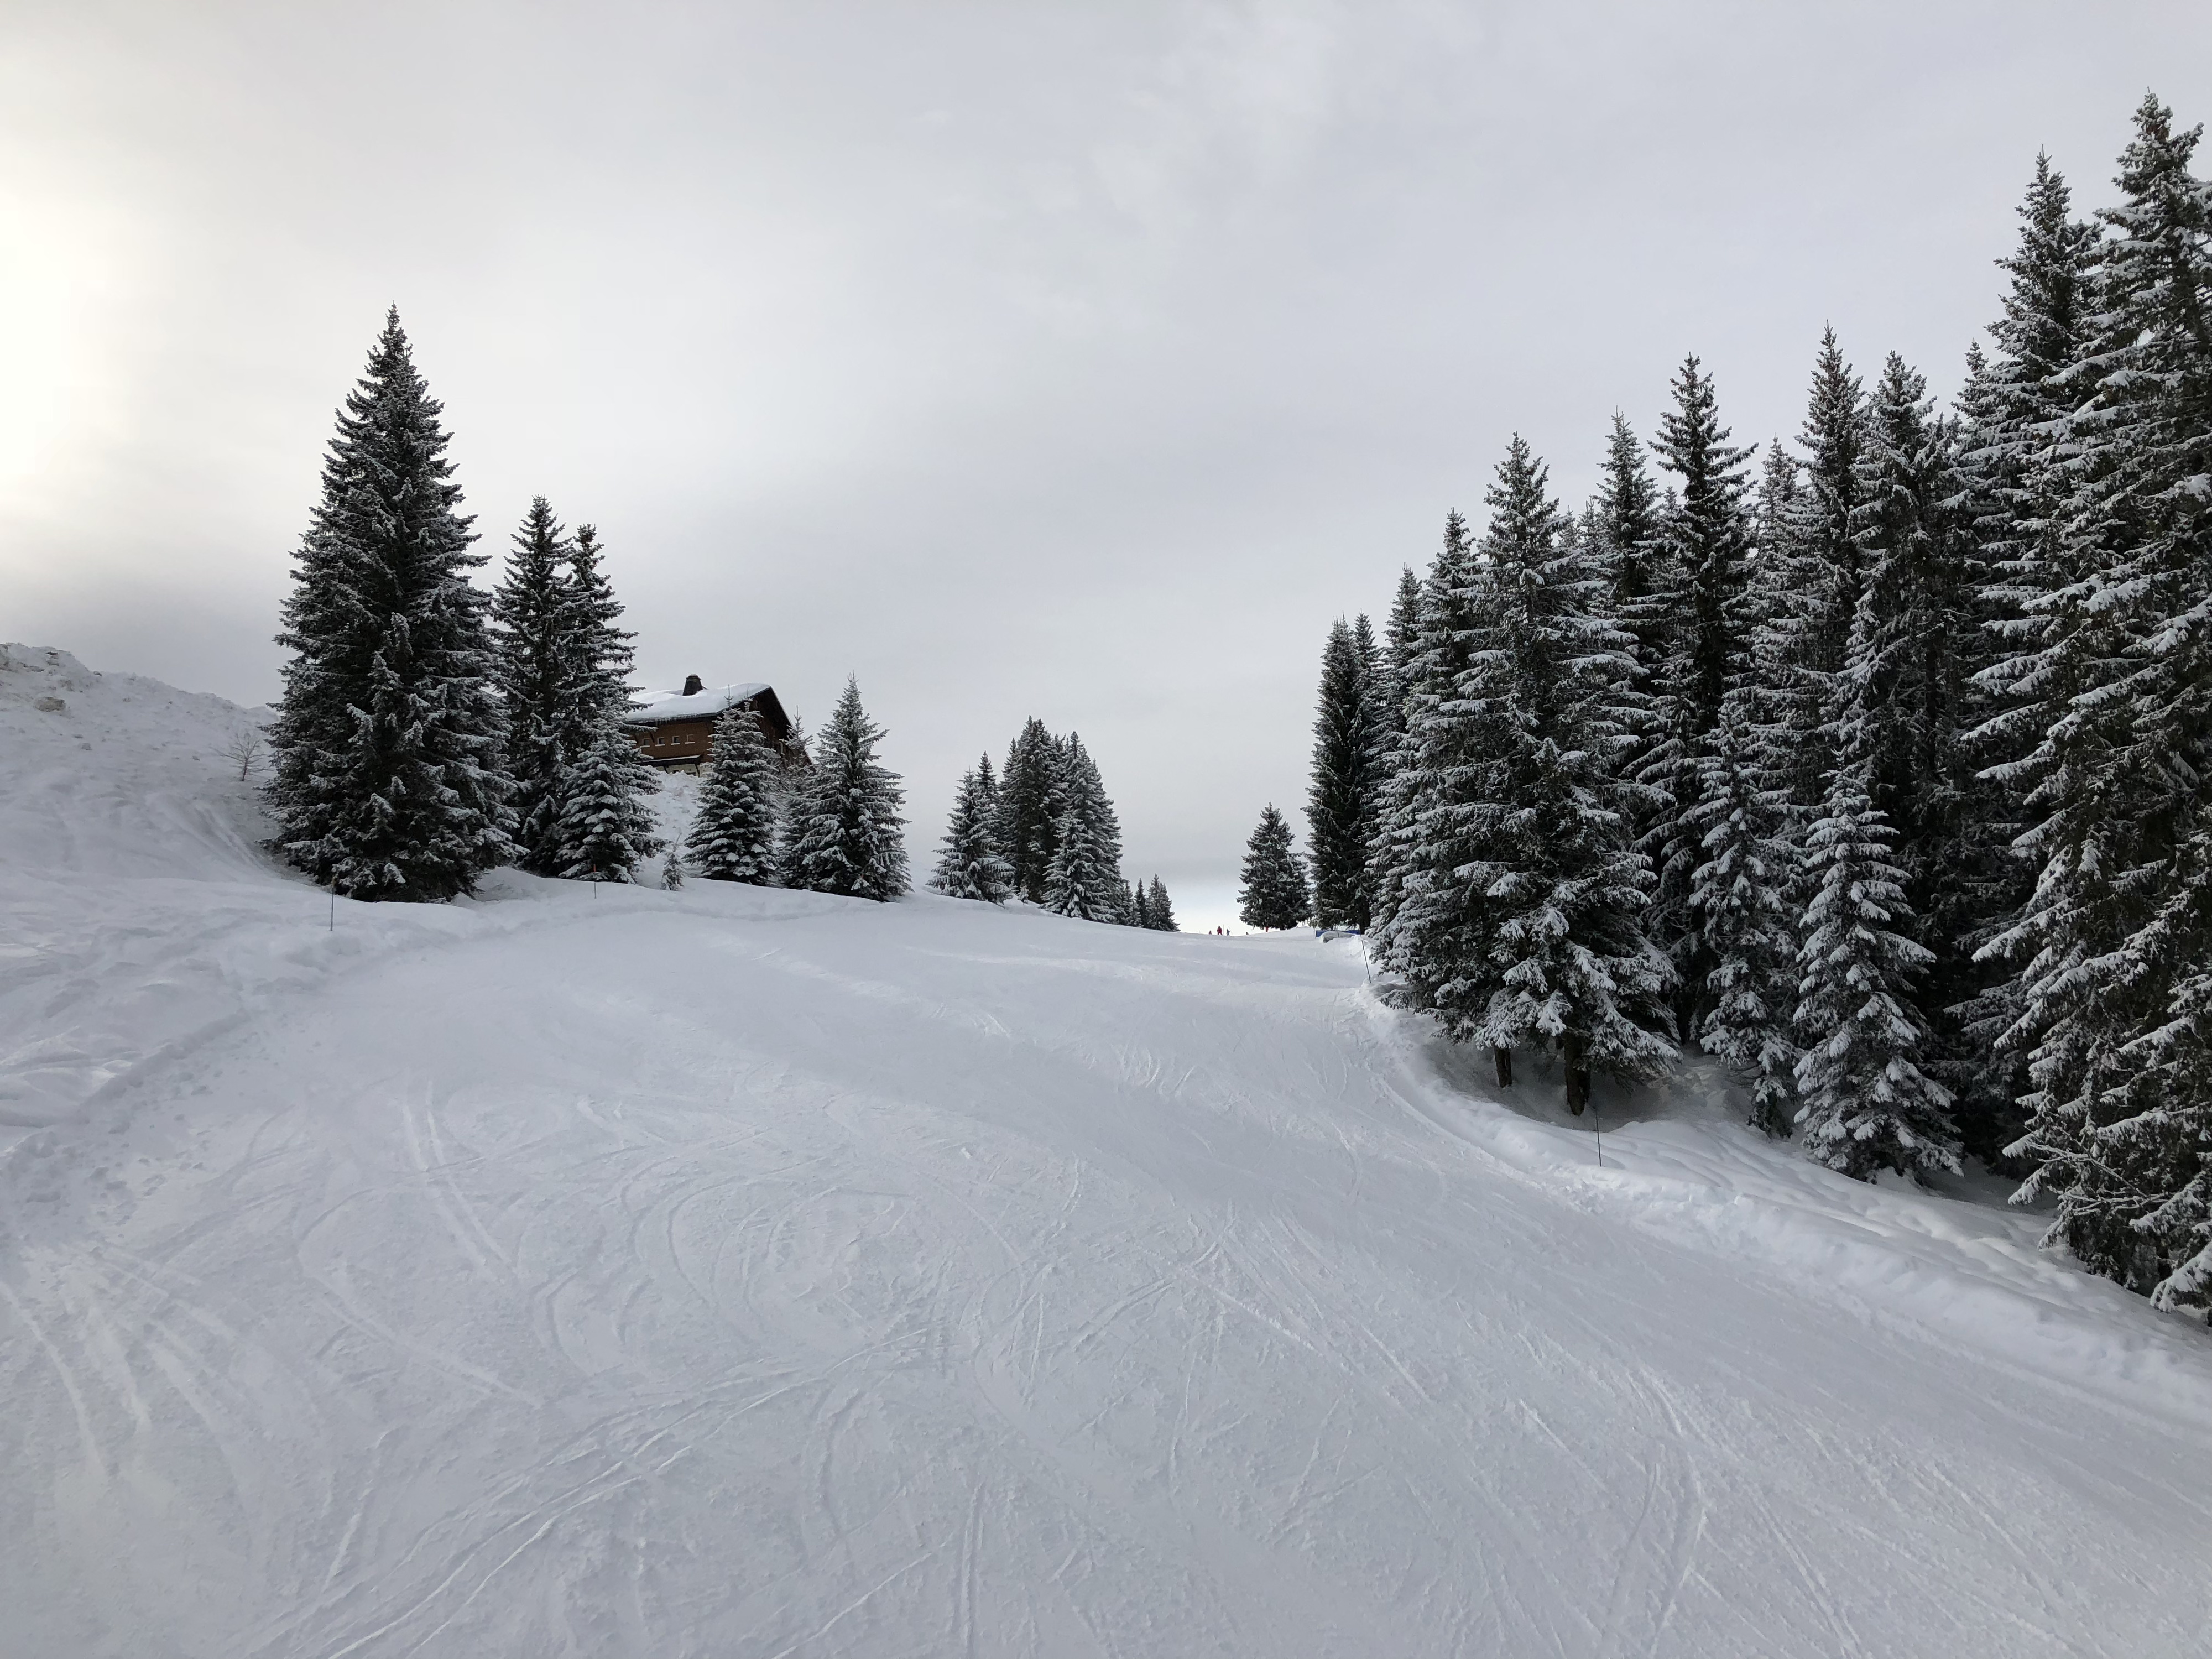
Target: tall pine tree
845, 833
1914, 686
1630, 548
1341, 807
2014, 473
1084, 879
733, 829
1030, 805
1273, 894
969, 865
604, 828
1426, 925
1395, 660
1867, 1106
388, 780
2120, 1130
531, 617
1741, 894
1707, 541
1569, 963
612, 777
1815, 559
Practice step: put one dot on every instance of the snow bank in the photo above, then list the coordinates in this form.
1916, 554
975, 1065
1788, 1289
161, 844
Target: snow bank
605, 1271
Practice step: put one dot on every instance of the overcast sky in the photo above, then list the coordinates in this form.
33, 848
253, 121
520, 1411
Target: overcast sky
1080, 360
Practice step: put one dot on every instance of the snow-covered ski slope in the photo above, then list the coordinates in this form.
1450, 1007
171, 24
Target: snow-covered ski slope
733, 1272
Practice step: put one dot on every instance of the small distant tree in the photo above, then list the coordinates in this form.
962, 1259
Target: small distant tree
244, 752
1348, 761
846, 832
1274, 893
1159, 913
732, 835
971, 864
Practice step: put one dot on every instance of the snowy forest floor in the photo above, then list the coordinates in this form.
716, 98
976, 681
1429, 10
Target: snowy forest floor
728, 1272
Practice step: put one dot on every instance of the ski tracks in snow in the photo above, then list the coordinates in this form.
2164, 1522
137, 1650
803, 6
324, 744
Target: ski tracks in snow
707, 1276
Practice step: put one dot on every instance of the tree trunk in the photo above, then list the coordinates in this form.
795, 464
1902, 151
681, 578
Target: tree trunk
1503, 1057
1578, 1077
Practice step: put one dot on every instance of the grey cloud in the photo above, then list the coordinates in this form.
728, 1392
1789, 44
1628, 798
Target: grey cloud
1080, 360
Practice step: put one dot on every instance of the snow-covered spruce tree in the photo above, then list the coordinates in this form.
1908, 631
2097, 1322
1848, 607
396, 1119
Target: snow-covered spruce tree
1427, 928
1030, 802
2171, 1137
1378, 739
2120, 925
1740, 896
387, 744
987, 793
1393, 663
733, 829
1140, 906
1866, 1106
531, 615
1565, 891
599, 648
1769, 601
603, 829
1159, 912
2011, 488
1624, 529
1084, 879
1706, 538
599, 658
2015, 487
1815, 578
1628, 544
843, 831
1273, 894
969, 865
1392, 699
1779, 475
1922, 599
1340, 800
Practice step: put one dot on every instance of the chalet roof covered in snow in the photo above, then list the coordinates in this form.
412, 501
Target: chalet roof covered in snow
658, 708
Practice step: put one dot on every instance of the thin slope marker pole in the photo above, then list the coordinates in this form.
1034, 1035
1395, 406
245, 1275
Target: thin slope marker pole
1597, 1123
334, 907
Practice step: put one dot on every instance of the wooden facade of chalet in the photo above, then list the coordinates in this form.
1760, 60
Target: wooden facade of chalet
676, 729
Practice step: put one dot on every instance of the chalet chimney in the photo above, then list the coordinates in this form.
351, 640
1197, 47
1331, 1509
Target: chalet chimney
693, 685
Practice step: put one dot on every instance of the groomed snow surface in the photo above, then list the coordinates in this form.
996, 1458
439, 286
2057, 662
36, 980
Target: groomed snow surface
732, 1271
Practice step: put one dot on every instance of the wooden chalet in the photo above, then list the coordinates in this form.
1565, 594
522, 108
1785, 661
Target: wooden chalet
676, 729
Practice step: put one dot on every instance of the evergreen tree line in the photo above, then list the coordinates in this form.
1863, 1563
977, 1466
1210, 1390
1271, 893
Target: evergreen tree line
429, 731
1876, 770
1043, 829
